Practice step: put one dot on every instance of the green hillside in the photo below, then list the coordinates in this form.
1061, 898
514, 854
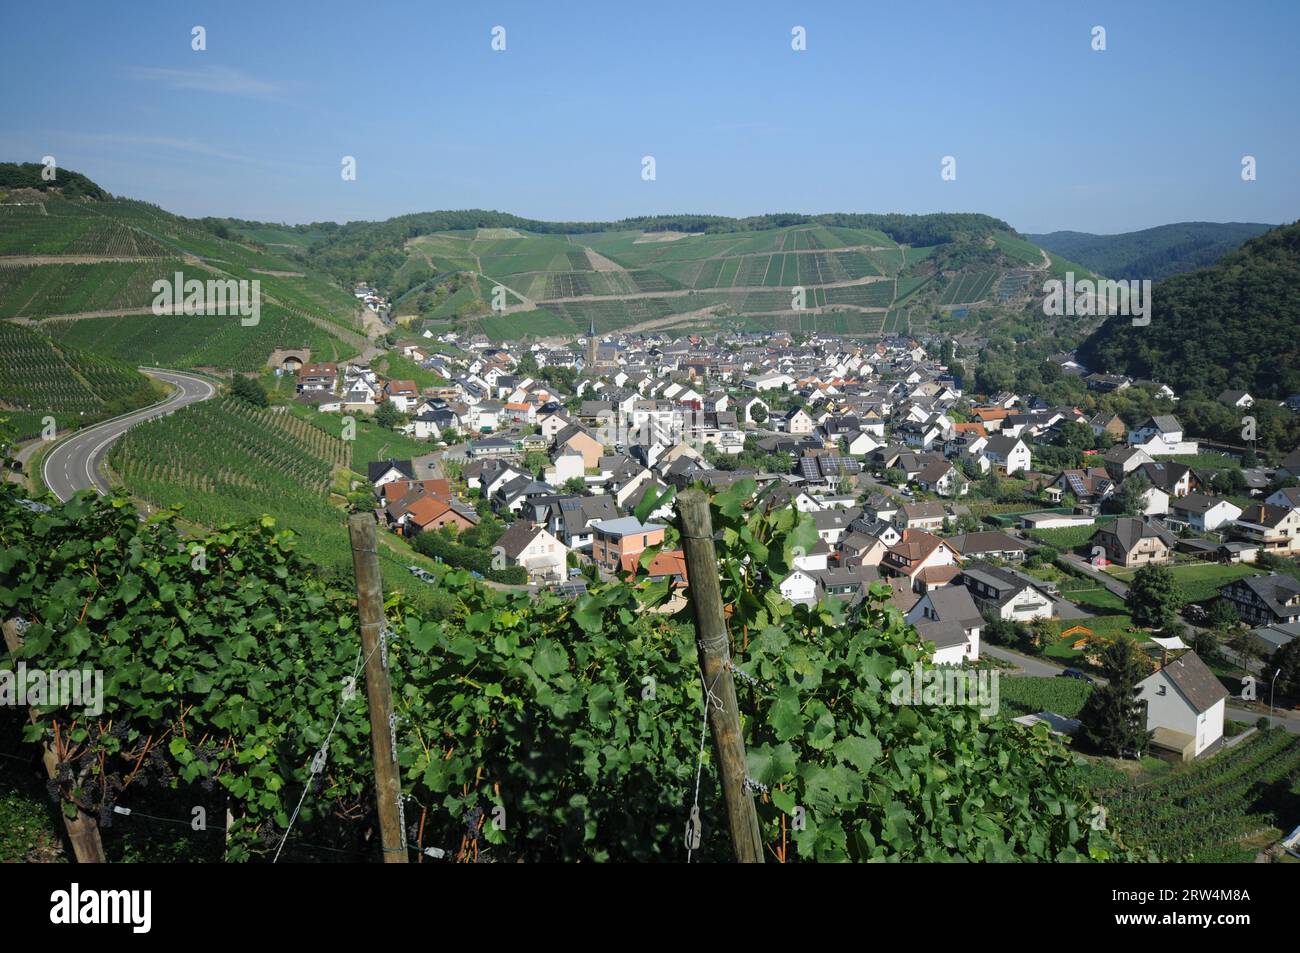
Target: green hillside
40, 378
1152, 253
74, 250
1235, 324
556, 278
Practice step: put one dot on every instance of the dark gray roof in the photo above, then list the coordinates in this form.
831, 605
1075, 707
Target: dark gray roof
1195, 681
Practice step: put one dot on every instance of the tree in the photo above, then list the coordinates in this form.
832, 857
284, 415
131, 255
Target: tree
1287, 658
1154, 597
1131, 499
1075, 435
1223, 615
758, 414
249, 390
535, 462
575, 485
1114, 718
387, 415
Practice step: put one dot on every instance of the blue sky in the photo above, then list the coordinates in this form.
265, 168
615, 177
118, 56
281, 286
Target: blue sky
1047, 133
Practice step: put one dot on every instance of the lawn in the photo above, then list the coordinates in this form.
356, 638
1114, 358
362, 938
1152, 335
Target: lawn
1199, 581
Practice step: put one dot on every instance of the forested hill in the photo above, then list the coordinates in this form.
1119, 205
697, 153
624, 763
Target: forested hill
1235, 324
27, 175
1152, 253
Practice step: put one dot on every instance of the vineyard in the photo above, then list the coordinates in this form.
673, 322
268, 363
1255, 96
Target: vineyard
1200, 814
199, 340
223, 461
524, 726
1028, 695
40, 378
59, 227
39, 290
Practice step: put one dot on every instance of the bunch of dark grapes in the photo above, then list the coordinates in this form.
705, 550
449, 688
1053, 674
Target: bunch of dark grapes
472, 818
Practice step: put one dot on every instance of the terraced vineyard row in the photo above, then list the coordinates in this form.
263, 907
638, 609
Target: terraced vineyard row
224, 459
58, 227
40, 290
968, 288
1199, 814
199, 340
39, 378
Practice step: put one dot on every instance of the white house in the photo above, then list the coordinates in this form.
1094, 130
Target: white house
1161, 435
1009, 453
799, 587
949, 618
540, 553
1006, 595
1203, 513
1185, 705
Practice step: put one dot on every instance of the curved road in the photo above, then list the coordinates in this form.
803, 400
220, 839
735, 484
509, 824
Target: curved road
74, 463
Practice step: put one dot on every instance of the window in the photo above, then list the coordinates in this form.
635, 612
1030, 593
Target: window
1160, 690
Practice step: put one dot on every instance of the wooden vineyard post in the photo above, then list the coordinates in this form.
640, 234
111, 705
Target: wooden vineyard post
379, 696
715, 667
83, 830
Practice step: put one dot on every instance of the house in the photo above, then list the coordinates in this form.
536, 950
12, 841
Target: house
578, 439
799, 587
770, 381
1290, 465
430, 512
1274, 529
403, 394
1202, 513
1161, 435
1121, 461
614, 539
926, 515
1176, 479
317, 377
536, 550
1088, 485
1005, 595
989, 545
1288, 498
1010, 453
1109, 424
949, 618
943, 478
1237, 399
386, 471
923, 559
833, 524
1185, 704
1130, 541
1264, 600
797, 422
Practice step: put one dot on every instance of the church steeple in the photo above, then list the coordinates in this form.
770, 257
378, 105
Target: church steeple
592, 343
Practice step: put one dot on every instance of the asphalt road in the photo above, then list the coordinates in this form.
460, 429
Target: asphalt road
74, 463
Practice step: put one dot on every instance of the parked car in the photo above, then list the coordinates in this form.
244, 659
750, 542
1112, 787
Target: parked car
1075, 673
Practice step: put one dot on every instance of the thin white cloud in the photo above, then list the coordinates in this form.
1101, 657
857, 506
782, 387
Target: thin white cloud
212, 79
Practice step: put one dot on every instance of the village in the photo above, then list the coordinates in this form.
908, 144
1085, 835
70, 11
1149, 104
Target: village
552, 465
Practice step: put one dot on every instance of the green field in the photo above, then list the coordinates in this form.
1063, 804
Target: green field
199, 340
224, 461
40, 290
1199, 581
39, 377
1030, 694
